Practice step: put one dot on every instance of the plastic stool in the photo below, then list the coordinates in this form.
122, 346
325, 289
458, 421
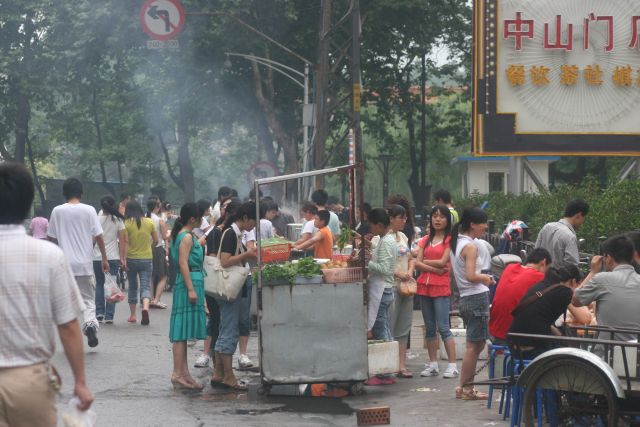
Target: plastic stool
495, 350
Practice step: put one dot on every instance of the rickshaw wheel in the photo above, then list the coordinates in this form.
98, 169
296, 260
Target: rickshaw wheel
583, 395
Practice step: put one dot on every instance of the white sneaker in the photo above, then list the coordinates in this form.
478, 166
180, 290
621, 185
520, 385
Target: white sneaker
430, 371
202, 361
244, 361
450, 372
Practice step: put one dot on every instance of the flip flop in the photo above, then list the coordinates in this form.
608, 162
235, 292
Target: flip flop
132, 319
404, 374
217, 383
239, 386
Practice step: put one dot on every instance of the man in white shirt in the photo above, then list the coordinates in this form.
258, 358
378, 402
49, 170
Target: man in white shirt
37, 289
74, 226
320, 198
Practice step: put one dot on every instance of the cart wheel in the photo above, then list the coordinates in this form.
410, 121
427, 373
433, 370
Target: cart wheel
356, 389
583, 395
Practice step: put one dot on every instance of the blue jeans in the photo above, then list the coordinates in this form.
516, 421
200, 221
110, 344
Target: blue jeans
381, 329
435, 313
142, 268
245, 308
104, 308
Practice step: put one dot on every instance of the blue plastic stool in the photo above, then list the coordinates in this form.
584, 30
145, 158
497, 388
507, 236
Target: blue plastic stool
493, 352
543, 398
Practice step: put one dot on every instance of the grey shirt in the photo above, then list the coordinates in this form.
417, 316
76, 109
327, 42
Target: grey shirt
559, 238
617, 297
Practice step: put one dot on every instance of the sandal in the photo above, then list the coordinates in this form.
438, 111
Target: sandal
132, 319
217, 383
404, 374
474, 394
238, 386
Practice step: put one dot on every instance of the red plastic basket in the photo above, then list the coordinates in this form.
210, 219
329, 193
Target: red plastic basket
342, 275
340, 257
276, 253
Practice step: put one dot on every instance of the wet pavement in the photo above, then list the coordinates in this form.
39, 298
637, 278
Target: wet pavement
129, 375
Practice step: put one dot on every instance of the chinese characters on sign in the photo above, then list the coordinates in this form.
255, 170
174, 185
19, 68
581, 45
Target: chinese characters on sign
569, 75
520, 29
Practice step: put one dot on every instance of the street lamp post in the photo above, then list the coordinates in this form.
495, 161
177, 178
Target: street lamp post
290, 73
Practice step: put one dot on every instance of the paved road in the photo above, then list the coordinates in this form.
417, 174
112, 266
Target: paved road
129, 375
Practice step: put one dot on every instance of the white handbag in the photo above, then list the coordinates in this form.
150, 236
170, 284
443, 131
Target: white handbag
223, 283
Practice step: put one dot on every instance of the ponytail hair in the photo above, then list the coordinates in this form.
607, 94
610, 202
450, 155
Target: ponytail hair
188, 211
108, 205
469, 216
152, 204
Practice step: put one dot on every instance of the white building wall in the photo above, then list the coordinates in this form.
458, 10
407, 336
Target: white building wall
477, 177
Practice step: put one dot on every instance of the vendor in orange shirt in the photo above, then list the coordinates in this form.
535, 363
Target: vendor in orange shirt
322, 241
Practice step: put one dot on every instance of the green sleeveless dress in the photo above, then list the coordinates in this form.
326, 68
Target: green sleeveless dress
188, 321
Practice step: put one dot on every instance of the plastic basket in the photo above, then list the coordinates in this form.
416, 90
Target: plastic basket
276, 253
342, 275
340, 257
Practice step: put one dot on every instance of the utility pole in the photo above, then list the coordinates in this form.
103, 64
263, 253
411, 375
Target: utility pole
338, 82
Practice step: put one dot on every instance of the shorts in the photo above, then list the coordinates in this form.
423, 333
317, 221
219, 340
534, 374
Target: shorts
160, 269
474, 310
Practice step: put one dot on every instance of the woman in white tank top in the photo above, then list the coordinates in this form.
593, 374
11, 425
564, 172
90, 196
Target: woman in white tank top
474, 294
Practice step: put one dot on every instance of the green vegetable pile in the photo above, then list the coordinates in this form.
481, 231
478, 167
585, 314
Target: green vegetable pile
345, 237
273, 241
287, 271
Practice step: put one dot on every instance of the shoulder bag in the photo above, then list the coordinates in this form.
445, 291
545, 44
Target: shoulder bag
223, 283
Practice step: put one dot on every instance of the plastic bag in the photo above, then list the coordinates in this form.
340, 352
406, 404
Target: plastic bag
74, 417
112, 292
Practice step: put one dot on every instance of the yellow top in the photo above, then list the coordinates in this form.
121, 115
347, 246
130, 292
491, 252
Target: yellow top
139, 238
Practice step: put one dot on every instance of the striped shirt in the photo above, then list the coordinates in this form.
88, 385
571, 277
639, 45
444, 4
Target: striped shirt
37, 291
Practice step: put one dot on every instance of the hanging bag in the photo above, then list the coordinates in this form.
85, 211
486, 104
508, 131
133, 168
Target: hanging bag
223, 283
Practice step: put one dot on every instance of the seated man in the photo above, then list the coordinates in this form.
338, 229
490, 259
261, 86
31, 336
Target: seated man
537, 311
322, 241
514, 283
616, 291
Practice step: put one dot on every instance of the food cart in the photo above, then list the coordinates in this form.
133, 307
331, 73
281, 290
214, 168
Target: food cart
311, 329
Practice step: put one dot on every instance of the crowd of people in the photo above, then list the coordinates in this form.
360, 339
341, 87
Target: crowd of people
42, 283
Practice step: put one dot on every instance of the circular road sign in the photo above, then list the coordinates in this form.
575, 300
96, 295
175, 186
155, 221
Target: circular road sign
162, 19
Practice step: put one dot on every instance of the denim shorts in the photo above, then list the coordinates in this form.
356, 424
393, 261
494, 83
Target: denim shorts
474, 310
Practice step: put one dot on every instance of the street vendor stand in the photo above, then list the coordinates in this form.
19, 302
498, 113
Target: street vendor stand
313, 332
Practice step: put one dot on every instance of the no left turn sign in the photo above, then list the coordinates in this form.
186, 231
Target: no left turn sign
162, 19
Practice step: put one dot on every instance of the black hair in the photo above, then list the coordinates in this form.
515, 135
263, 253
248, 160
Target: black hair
469, 216
224, 193
166, 206
319, 197
396, 210
234, 192
203, 205
538, 255
252, 194
231, 209
41, 212
124, 196
333, 200
267, 199
444, 211
133, 210
442, 195
561, 274
152, 204
620, 248
635, 238
409, 227
366, 207
265, 206
324, 216
187, 211
379, 216
16, 192
575, 207
309, 207
72, 189
247, 209
108, 205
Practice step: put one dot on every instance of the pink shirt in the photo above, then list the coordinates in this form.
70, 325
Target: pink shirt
39, 227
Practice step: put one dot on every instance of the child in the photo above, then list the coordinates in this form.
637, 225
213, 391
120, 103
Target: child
322, 241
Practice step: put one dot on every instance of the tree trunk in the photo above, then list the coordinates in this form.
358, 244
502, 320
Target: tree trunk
34, 171
21, 130
184, 160
96, 125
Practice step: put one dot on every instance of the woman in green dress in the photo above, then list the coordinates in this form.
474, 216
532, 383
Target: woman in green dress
188, 315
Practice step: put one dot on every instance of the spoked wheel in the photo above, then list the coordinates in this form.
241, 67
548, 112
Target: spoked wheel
581, 393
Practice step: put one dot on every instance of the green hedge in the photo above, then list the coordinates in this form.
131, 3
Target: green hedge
613, 210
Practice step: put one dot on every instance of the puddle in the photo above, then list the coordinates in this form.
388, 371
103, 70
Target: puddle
299, 405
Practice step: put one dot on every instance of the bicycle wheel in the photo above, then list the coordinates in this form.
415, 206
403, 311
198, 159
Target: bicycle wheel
584, 396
